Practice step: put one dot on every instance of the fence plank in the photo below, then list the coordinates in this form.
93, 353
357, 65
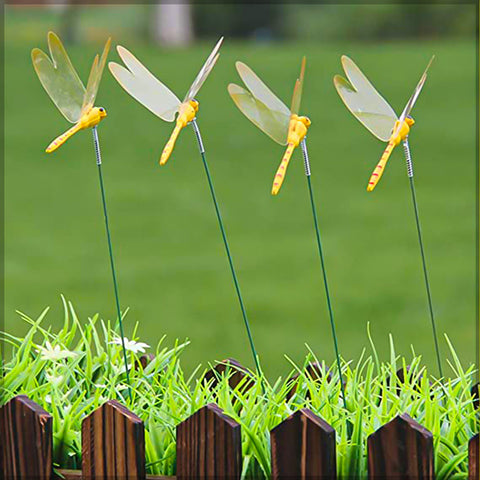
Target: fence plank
113, 443
26, 438
475, 395
209, 446
473, 454
77, 475
303, 446
314, 370
144, 360
401, 449
235, 371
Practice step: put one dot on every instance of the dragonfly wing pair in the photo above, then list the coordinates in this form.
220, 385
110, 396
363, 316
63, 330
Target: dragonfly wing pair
373, 111
411, 102
260, 105
61, 81
144, 87
204, 72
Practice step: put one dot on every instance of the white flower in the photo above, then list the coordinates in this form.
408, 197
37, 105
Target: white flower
131, 345
55, 380
54, 353
120, 370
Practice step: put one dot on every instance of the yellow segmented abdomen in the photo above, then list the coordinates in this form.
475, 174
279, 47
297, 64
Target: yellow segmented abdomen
282, 169
167, 151
378, 172
59, 141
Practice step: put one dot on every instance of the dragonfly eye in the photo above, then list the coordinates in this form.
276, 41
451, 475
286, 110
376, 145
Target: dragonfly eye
102, 109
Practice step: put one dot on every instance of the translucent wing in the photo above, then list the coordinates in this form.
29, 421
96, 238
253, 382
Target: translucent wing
94, 79
59, 78
297, 92
413, 98
144, 87
273, 122
366, 104
204, 72
260, 91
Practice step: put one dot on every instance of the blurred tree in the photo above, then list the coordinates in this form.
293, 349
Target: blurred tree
172, 24
69, 20
238, 20
374, 22
331, 22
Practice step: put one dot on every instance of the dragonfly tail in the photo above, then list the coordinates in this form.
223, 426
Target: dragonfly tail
167, 151
282, 169
59, 141
378, 172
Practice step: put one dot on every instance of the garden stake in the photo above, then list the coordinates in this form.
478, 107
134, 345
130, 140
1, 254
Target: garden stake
408, 159
155, 96
284, 125
372, 110
64, 87
308, 174
225, 242
110, 252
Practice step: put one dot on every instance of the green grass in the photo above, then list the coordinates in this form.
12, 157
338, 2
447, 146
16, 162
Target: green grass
72, 370
172, 268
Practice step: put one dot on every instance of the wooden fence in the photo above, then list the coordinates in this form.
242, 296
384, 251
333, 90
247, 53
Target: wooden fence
209, 446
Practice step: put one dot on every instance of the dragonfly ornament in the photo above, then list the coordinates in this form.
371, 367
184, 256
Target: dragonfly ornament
142, 85
286, 127
63, 85
373, 111
76, 103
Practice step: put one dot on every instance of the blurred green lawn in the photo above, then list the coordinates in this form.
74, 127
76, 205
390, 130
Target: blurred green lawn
171, 264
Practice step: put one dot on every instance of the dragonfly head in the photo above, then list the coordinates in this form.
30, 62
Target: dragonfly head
306, 121
409, 121
194, 104
102, 112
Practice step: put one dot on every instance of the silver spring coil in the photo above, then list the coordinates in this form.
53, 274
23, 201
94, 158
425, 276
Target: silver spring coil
408, 158
197, 134
97, 145
306, 161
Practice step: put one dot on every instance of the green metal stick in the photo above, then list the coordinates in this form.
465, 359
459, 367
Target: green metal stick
225, 242
308, 174
110, 251
408, 158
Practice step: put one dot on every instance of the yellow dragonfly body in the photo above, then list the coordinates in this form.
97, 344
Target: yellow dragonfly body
142, 85
263, 108
373, 111
186, 114
64, 87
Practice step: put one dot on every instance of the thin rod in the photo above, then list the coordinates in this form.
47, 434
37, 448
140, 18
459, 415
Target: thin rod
225, 241
110, 251
408, 158
308, 174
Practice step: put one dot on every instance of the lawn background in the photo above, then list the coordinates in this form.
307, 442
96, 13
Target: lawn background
172, 269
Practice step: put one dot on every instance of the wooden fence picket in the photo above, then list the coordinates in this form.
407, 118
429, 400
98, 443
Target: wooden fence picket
302, 447
209, 446
235, 370
475, 395
473, 457
314, 370
401, 449
26, 439
113, 443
